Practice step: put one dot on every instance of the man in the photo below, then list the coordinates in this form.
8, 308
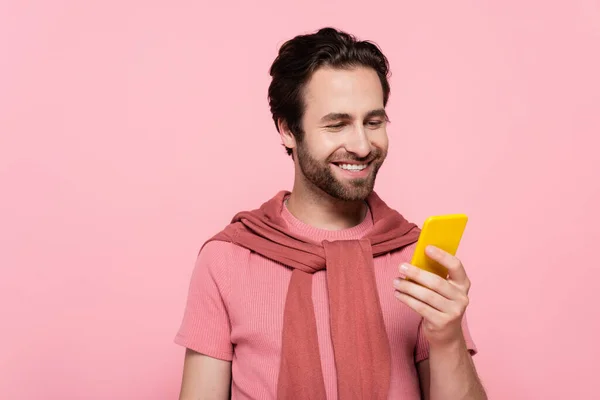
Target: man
306, 297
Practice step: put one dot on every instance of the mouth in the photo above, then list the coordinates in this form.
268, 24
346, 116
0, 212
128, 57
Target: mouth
353, 169
352, 166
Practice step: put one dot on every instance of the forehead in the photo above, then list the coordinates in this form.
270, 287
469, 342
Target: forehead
354, 91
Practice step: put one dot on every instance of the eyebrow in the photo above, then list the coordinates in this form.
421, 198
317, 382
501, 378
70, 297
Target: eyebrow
380, 112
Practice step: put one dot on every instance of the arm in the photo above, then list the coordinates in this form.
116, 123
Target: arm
205, 330
450, 374
205, 378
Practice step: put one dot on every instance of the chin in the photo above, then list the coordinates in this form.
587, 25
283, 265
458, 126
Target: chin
350, 192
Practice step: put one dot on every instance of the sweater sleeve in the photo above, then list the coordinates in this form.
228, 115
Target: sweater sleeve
206, 327
422, 346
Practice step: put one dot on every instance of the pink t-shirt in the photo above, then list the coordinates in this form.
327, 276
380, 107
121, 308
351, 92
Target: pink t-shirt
235, 306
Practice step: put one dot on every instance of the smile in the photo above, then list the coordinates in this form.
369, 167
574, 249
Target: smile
353, 167
354, 170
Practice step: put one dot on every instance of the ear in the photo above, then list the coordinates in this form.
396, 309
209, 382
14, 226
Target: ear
287, 137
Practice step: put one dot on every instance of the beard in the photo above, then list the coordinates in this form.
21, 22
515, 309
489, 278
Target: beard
319, 173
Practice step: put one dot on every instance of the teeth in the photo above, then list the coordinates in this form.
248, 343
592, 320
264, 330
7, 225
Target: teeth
353, 167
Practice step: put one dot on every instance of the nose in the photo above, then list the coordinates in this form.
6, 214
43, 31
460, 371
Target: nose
358, 143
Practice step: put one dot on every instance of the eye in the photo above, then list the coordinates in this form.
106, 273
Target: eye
375, 124
336, 126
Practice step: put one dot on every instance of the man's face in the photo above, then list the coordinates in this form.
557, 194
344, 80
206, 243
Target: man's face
345, 140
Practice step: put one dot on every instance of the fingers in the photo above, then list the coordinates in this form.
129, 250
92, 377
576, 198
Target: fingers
456, 271
428, 280
434, 298
423, 309
423, 294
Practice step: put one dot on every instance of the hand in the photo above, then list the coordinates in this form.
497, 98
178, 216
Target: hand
441, 302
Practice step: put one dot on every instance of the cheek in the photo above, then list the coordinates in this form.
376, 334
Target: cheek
379, 139
321, 145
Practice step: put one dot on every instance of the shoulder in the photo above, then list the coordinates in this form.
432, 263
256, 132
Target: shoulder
216, 252
214, 264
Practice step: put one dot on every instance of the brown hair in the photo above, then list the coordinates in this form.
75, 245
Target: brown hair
301, 56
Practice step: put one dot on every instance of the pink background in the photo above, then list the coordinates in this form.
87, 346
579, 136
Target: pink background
121, 120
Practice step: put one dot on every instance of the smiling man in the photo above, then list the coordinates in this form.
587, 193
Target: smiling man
306, 297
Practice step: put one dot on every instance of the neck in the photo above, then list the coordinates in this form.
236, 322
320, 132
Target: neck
323, 211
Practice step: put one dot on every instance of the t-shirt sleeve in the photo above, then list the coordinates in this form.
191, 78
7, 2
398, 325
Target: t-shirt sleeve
206, 327
422, 347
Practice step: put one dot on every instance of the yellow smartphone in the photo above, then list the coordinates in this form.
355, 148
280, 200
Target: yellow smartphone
443, 231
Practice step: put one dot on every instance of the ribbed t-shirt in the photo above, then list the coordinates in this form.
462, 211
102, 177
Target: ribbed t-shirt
235, 306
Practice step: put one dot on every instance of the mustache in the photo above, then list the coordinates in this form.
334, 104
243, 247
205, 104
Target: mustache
349, 157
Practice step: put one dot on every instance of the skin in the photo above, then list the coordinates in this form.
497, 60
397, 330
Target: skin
345, 123
205, 378
357, 135
449, 373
